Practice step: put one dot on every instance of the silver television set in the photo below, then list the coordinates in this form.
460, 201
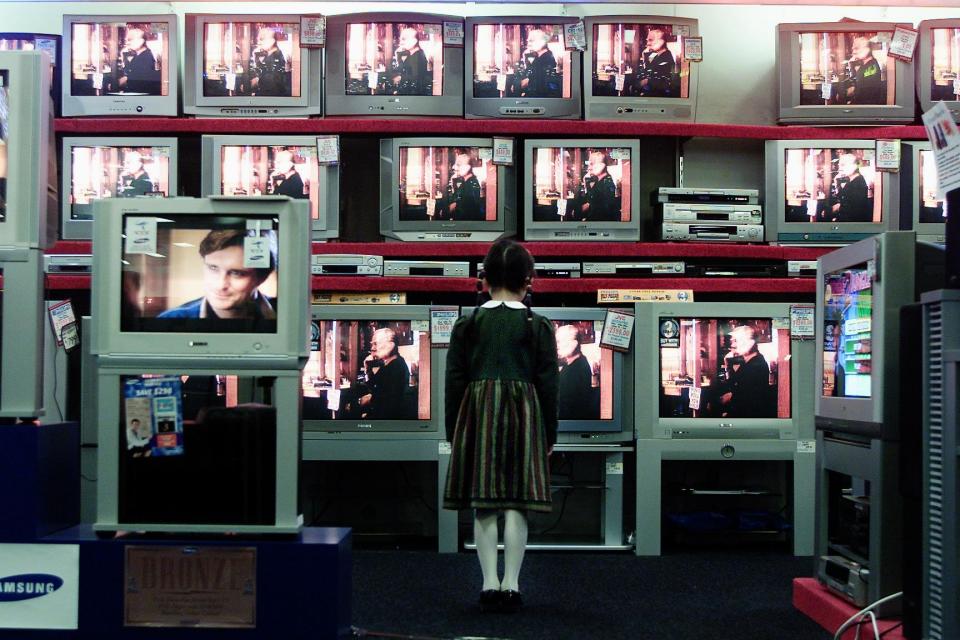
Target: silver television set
48, 42
23, 323
938, 64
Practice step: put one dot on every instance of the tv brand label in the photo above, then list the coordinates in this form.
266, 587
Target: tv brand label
39, 586
28, 585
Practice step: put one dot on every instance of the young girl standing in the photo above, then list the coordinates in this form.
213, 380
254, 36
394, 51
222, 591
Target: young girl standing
501, 418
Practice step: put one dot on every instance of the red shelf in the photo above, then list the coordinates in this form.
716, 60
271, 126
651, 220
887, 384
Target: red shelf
459, 126
829, 611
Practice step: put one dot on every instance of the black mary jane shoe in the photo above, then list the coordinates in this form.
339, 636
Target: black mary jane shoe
489, 601
510, 601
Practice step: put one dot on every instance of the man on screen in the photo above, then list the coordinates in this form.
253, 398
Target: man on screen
461, 200
139, 72
230, 289
575, 396
409, 73
135, 179
868, 86
286, 181
138, 439
388, 377
748, 377
268, 67
657, 66
851, 201
537, 68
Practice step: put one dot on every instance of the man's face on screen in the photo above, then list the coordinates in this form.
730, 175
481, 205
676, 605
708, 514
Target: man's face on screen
228, 285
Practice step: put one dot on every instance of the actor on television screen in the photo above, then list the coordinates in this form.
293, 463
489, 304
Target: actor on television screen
286, 180
747, 392
388, 377
409, 73
135, 179
851, 201
268, 67
576, 393
231, 290
461, 200
537, 68
655, 77
868, 86
597, 194
138, 67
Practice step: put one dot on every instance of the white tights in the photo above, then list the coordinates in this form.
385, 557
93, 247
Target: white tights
514, 545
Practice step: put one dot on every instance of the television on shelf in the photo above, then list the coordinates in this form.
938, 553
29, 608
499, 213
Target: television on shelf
445, 189
581, 189
23, 323
860, 291
274, 165
17, 41
519, 67
842, 73
392, 64
373, 373
921, 210
827, 192
202, 280
938, 64
28, 165
120, 65
721, 370
635, 68
99, 168
249, 66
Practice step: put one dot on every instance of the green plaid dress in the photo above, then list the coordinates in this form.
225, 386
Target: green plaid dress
501, 399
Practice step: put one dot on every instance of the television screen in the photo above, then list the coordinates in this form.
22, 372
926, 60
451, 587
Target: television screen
394, 58
932, 208
447, 183
847, 68
251, 59
256, 170
199, 273
99, 172
586, 372
639, 60
368, 370
120, 58
724, 368
4, 137
847, 350
945, 65
577, 184
832, 185
520, 61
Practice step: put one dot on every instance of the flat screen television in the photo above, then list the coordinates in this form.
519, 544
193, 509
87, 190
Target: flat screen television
392, 64
826, 192
519, 67
581, 189
721, 370
860, 291
28, 166
100, 168
635, 68
120, 65
373, 373
202, 280
16, 41
920, 208
22, 327
445, 189
938, 64
274, 165
842, 73
249, 66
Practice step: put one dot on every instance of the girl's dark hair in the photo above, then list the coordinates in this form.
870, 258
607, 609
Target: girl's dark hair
508, 265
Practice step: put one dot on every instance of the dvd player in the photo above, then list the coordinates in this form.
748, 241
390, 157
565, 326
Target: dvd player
437, 268
330, 264
735, 270
712, 231
634, 268
63, 263
707, 212
701, 195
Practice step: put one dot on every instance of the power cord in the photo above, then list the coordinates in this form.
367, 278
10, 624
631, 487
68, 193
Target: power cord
859, 617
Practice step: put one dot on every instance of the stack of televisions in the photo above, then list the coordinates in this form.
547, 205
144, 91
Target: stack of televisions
405, 64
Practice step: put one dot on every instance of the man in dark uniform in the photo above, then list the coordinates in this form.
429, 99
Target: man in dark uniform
851, 202
462, 200
136, 181
410, 75
268, 67
286, 181
389, 378
868, 86
597, 198
655, 76
538, 74
139, 72
575, 395
748, 393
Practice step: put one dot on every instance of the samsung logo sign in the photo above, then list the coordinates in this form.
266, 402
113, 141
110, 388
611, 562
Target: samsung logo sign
27, 586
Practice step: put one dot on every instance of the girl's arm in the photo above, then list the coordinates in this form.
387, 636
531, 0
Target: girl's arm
547, 377
457, 376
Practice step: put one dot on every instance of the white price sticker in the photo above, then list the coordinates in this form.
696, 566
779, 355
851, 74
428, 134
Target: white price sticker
256, 252
806, 446
313, 31
61, 315
620, 153
453, 33
141, 235
432, 30
693, 49
485, 153
444, 448
574, 36
888, 155
614, 468
328, 149
503, 151
802, 321
682, 30
903, 43
441, 324
617, 330
420, 326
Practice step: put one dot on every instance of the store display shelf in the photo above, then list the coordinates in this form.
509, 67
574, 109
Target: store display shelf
460, 126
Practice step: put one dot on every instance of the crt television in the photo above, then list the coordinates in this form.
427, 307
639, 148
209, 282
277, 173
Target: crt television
581, 189
920, 208
373, 373
392, 64
860, 291
721, 370
517, 67
22, 327
100, 168
635, 68
842, 73
16, 41
202, 280
120, 65
938, 64
249, 66
28, 165
827, 192
274, 165
445, 189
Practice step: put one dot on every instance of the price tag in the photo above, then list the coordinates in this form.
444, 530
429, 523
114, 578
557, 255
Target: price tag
806, 446
485, 153
503, 151
441, 324
694, 395
313, 31
945, 141
682, 30
70, 336
620, 81
574, 36
444, 448
141, 235
453, 33
693, 49
903, 43
614, 468
501, 82
256, 252
61, 315
617, 330
802, 322
620, 153
826, 90
97, 80
432, 30
420, 326
888, 155
328, 150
